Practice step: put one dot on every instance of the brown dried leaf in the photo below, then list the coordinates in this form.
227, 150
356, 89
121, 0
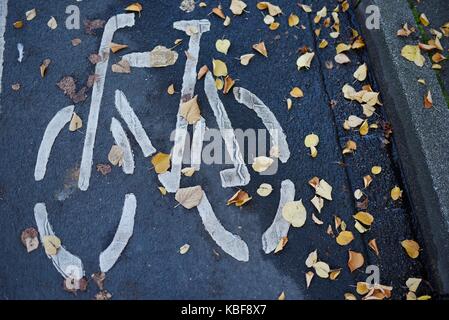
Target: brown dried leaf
239, 198
30, 239
190, 110
355, 261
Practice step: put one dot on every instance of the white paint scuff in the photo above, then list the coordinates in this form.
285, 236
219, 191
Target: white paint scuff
193, 28
279, 228
239, 175
122, 141
269, 120
230, 243
67, 264
20, 51
125, 229
133, 123
3, 14
116, 22
54, 127
197, 144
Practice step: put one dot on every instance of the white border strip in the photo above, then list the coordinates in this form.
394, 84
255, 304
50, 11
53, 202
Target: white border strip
197, 144
67, 264
3, 14
133, 123
124, 232
230, 243
114, 23
279, 228
54, 127
122, 141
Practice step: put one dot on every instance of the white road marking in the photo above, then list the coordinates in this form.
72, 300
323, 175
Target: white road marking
20, 51
197, 144
3, 14
239, 175
279, 227
54, 127
114, 23
122, 141
269, 120
67, 264
194, 28
124, 232
230, 243
133, 122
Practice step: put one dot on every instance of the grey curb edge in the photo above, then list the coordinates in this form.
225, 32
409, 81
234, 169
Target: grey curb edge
421, 136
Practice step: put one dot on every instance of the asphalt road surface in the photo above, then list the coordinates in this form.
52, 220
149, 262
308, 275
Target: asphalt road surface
151, 266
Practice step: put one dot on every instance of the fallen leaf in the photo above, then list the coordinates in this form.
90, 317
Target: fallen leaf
237, 7
91, 25
349, 296
274, 26
75, 123
296, 93
171, 89
115, 47
135, 7
18, 24
52, 23
333, 274
99, 278
219, 13
219, 68
115, 156
322, 269
316, 220
104, 169
364, 128
264, 190
413, 53
281, 296
312, 258
95, 58
367, 181
75, 42
190, 110
189, 197
305, 60
350, 147
15, 86
376, 170
44, 66
121, 67
311, 140
424, 20
422, 298
246, 58
188, 171
162, 190
364, 217
103, 295
239, 198
361, 72
341, 58
323, 44
228, 84
262, 163
344, 238
322, 188
309, 277
161, 162
293, 20
260, 47
227, 21
30, 14
280, 246
219, 84
295, 213
30, 239
396, 193
51, 244
222, 45
273, 10
305, 7
318, 203
413, 284
203, 70
405, 31
373, 245
289, 103
355, 261
184, 249
428, 102
411, 247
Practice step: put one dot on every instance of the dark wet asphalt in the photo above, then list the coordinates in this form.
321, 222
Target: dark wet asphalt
150, 267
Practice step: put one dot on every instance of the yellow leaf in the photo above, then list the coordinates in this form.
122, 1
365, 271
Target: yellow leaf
423, 19
227, 21
305, 60
309, 277
219, 84
367, 180
293, 20
18, 24
376, 170
364, 128
361, 72
289, 104
161, 162
281, 296
424, 298
355, 261
364, 217
342, 47
246, 58
322, 269
264, 190
228, 84
52, 24
413, 53
219, 68
296, 93
362, 288
350, 296
222, 45
411, 247
413, 284
280, 246
239, 198
190, 110
373, 245
162, 190
306, 8
115, 47
188, 171
295, 213
396, 193
311, 140
30, 14
184, 249
135, 7
345, 238
341, 58
51, 244
262, 163
323, 44
274, 26
312, 258
260, 47
171, 89
76, 123
43, 67
333, 275
115, 156
273, 10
